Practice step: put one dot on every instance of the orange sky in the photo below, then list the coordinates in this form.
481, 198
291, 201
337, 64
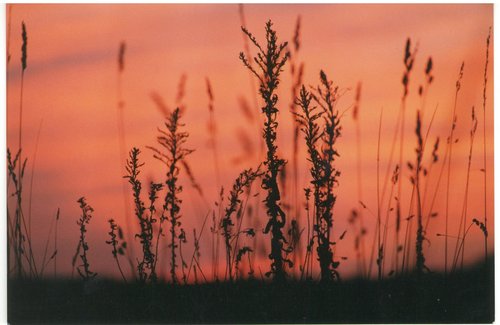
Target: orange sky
71, 92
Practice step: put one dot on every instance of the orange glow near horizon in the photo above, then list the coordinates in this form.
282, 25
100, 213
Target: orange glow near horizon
71, 96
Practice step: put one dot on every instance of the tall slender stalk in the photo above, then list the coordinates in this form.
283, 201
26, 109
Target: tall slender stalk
308, 119
460, 247
212, 130
24, 58
416, 180
435, 158
120, 108
356, 118
253, 88
32, 177
55, 242
172, 140
330, 136
10, 231
84, 220
182, 240
484, 148
255, 106
409, 59
19, 215
297, 71
244, 180
394, 180
146, 267
310, 242
270, 61
16, 237
379, 247
327, 96
46, 262
420, 232
450, 150
196, 254
417, 196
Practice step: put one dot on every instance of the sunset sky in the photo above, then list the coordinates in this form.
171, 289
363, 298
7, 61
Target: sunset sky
71, 89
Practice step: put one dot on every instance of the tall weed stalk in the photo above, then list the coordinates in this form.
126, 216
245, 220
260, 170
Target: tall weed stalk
270, 61
172, 140
146, 217
120, 110
451, 141
244, 180
83, 221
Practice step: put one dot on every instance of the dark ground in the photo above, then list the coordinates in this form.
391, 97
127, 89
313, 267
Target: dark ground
466, 297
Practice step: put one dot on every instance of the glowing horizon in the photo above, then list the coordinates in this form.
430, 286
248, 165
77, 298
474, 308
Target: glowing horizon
70, 97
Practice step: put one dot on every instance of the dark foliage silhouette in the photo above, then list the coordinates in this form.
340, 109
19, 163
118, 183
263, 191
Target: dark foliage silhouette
270, 61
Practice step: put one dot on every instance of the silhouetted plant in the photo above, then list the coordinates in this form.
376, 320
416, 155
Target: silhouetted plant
253, 89
460, 248
485, 78
481, 226
214, 229
24, 64
24, 47
381, 259
294, 233
154, 188
408, 61
212, 130
244, 180
146, 267
173, 140
19, 234
326, 97
270, 61
196, 254
84, 220
182, 240
308, 119
434, 160
420, 148
10, 234
461, 239
359, 242
55, 242
118, 248
305, 267
297, 72
120, 121
451, 140
409, 58
239, 256
45, 261
324, 175
416, 180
